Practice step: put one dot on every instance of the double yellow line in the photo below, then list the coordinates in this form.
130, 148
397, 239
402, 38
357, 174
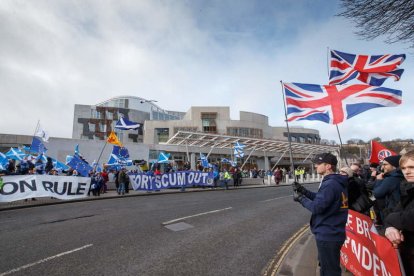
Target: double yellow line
275, 263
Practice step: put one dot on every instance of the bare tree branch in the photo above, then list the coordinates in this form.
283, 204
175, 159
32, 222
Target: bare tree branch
393, 19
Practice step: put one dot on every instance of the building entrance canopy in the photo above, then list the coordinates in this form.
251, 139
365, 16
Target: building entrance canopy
198, 139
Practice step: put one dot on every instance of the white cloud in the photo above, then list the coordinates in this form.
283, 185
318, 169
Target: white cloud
187, 53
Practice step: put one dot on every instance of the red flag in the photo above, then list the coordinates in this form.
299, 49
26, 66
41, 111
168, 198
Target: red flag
379, 152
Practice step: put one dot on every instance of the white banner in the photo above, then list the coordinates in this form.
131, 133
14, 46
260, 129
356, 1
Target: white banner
17, 187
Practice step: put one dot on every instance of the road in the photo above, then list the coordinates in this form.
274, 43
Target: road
234, 232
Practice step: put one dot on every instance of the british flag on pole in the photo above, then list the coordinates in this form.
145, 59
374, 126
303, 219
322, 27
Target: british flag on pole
335, 103
370, 69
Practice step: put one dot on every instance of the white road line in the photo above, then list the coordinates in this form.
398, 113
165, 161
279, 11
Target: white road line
196, 215
275, 198
44, 260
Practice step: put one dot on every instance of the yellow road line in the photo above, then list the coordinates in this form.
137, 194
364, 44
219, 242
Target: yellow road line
274, 265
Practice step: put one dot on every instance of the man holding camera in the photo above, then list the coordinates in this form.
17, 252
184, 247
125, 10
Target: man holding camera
329, 208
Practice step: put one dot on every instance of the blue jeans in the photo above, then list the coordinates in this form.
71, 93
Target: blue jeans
121, 189
329, 257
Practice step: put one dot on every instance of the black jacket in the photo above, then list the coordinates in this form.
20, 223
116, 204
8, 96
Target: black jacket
403, 217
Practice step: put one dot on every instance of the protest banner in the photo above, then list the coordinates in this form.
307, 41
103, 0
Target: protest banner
17, 187
364, 251
142, 181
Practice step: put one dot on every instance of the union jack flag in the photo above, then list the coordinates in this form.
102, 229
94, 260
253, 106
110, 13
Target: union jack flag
373, 70
333, 104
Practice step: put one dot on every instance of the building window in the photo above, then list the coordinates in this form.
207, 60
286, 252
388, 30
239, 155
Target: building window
162, 135
102, 127
95, 114
91, 127
208, 122
245, 132
188, 129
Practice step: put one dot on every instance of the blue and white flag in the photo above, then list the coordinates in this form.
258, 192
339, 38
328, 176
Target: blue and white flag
3, 161
79, 165
59, 166
96, 166
115, 161
225, 160
77, 150
37, 146
15, 154
68, 158
238, 150
125, 124
40, 132
163, 157
42, 157
204, 160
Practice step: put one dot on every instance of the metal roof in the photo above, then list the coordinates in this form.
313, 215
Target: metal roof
199, 139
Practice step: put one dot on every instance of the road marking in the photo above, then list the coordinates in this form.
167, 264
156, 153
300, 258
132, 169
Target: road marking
196, 215
276, 262
44, 260
275, 198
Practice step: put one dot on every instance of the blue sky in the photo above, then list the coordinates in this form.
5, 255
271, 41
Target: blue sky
183, 53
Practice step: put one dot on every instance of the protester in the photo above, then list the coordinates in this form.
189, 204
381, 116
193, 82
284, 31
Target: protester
278, 176
122, 180
400, 223
387, 184
358, 198
329, 208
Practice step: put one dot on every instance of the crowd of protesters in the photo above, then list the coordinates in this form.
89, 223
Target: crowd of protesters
385, 192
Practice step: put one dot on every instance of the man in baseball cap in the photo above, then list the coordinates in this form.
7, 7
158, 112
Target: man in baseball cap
329, 208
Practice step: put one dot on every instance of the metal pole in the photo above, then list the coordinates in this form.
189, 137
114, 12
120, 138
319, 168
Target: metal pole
211, 150
292, 167
99, 158
340, 141
278, 161
248, 157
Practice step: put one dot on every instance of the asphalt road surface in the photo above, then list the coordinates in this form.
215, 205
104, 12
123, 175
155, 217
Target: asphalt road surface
234, 232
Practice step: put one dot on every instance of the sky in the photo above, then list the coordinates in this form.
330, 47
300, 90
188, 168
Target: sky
182, 53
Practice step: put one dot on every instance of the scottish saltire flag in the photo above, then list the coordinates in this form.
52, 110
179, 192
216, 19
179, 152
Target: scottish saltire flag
77, 153
3, 161
204, 160
115, 161
68, 158
59, 166
120, 152
96, 166
163, 157
40, 132
225, 160
124, 124
16, 154
238, 150
37, 146
373, 70
79, 165
333, 104
42, 157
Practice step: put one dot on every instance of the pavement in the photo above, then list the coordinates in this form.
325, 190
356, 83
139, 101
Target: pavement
297, 257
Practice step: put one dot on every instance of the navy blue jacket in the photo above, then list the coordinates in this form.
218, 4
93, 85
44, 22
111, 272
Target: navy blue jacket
329, 208
389, 188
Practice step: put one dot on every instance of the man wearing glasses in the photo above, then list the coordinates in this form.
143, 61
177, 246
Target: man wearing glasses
329, 208
387, 184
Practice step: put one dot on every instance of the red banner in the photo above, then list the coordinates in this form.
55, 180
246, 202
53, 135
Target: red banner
379, 152
364, 251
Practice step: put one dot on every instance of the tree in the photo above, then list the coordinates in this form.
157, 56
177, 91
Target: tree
393, 18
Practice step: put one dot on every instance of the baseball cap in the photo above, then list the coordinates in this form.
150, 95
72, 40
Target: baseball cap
326, 157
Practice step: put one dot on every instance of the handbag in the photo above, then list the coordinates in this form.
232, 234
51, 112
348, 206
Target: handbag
362, 203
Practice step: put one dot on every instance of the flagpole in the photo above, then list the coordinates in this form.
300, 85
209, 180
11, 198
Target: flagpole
248, 157
34, 134
340, 141
292, 167
328, 58
100, 155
